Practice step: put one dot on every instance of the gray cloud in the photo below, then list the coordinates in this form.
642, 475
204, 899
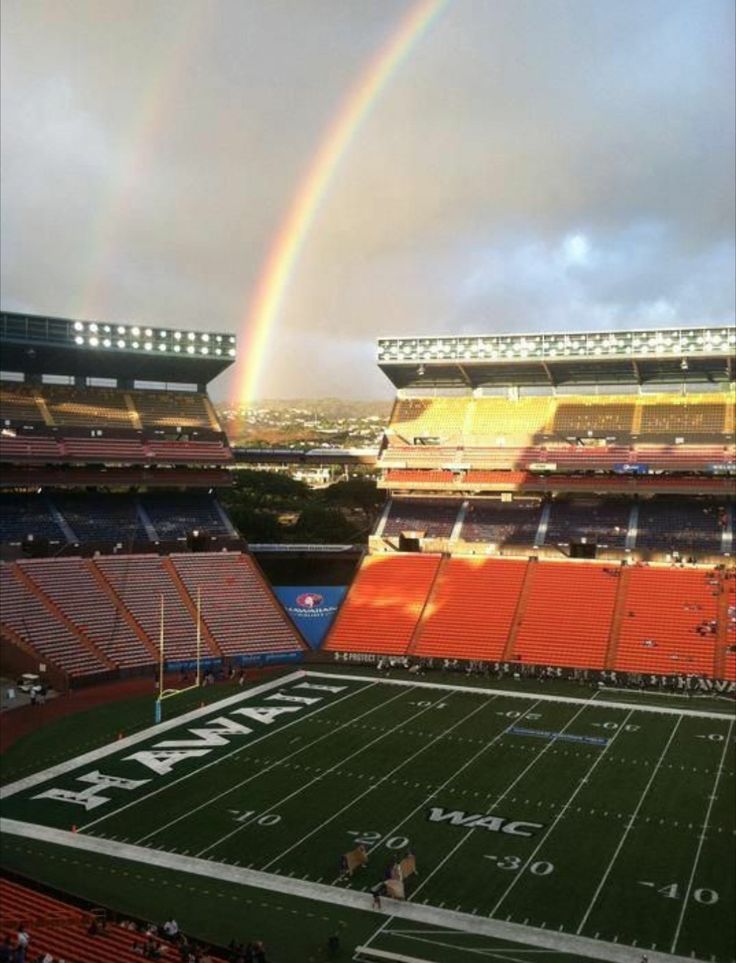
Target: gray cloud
151, 150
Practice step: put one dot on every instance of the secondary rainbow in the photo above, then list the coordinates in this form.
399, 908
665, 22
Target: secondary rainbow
281, 261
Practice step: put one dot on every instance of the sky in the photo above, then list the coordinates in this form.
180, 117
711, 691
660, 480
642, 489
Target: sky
527, 165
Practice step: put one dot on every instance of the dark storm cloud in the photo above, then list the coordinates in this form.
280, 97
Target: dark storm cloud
532, 164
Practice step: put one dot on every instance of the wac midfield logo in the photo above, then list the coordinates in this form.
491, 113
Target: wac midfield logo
494, 824
309, 600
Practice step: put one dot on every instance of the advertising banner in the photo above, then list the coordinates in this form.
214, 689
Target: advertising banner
312, 608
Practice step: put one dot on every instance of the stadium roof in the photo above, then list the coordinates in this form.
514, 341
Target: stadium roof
35, 344
664, 355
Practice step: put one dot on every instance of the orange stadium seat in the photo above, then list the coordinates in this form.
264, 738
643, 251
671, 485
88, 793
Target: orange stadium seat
384, 604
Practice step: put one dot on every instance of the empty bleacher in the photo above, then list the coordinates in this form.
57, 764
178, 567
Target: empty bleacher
71, 585
681, 525
168, 410
28, 514
18, 405
24, 618
601, 522
101, 517
501, 523
664, 609
175, 515
384, 604
470, 610
567, 616
87, 407
141, 582
434, 517
239, 610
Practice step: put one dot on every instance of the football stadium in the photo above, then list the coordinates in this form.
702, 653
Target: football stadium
513, 737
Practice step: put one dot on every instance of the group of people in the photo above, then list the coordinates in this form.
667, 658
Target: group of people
251, 952
15, 946
165, 941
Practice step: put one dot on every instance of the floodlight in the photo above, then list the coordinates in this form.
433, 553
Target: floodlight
231, 352
205, 337
205, 350
191, 335
148, 346
218, 338
121, 343
177, 335
78, 326
135, 343
93, 327
121, 329
177, 348
190, 349
218, 350
94, 342
135, 330
232, 339
162, 334
106, 328
148, 332
162, 347
79, 339
107, 343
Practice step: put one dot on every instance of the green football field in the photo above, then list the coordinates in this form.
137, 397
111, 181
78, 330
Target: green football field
577, 826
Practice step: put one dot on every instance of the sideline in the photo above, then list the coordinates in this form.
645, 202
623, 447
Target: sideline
511, 694
321, 892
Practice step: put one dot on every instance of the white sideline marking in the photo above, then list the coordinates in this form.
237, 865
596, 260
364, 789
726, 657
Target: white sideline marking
429, 915
518, 875
628, 826
686, 898
112, 747
278, 762
575, 700
498, 799
311, 782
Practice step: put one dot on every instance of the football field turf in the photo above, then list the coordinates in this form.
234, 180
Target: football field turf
536, 818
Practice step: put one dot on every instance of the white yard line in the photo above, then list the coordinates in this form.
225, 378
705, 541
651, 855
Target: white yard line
320, 892
278, 762
234, 752
630, 823
318, 778
499, 799
583, 782
28, 782
511, 693
376, 784
686, 898
454, 775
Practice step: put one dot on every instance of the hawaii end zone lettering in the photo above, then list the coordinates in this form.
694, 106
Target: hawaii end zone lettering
201, 740
494, 824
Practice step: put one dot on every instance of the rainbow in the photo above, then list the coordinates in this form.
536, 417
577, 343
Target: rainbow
288, 243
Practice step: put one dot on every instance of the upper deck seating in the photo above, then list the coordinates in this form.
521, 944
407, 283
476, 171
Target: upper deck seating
18, 405
177, 410
439, 418
434, 517
501, 523
672, 524
700, 416
668, 622
603, 522
593, 417
141, 582
239, 610
471, 608
175, 515
567, 616
28, 514
498, 421
87, 407
95, 516
73, 588
37, 627
384, 604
